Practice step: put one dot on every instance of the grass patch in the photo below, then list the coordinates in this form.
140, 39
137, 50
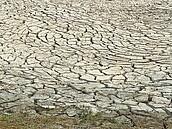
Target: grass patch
35, 122
85, 119
97, 120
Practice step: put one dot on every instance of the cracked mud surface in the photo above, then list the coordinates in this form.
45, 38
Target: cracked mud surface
57, 54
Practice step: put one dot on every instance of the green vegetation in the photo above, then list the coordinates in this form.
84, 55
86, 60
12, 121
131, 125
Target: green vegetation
86, 119
34, 122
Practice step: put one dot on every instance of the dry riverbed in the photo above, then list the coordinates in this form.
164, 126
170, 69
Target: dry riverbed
110, 56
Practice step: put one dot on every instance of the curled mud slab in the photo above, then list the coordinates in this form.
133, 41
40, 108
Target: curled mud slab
106, 55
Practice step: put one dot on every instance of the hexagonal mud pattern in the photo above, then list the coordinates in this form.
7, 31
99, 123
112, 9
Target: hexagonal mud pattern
107, 55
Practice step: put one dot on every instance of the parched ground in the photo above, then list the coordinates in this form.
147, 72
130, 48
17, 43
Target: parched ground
111, 56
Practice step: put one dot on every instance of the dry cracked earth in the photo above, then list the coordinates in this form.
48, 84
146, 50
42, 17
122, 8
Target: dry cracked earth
106, 55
